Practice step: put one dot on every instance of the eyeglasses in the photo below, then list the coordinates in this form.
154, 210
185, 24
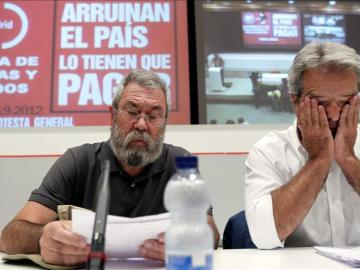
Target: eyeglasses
151, 119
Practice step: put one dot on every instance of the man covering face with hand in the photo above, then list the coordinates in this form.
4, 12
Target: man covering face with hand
303, 184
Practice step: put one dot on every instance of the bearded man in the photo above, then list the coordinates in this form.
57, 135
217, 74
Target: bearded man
140, 167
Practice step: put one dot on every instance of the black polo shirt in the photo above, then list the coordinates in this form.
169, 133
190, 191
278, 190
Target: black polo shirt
73, 179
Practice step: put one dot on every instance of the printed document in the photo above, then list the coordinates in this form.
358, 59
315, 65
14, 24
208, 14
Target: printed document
123, 235
348, 255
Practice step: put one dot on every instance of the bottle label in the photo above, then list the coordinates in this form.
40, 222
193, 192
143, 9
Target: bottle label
196, 261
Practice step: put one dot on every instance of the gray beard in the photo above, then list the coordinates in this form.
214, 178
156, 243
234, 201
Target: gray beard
133, 156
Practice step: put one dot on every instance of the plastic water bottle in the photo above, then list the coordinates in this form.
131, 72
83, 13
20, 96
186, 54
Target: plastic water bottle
189, 239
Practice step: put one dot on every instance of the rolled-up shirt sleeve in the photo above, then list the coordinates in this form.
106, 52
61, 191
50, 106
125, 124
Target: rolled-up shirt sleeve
263, 175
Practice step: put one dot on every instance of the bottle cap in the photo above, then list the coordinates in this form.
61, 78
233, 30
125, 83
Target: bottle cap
186, 162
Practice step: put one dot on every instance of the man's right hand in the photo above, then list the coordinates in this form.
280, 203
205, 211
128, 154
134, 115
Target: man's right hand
58, 245
293, 200
316, 135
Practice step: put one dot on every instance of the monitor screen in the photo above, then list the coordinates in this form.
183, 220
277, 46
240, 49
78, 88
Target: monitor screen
324, 27
257, 42
271, 29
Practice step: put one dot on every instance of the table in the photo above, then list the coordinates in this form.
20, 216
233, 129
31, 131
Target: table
287, 258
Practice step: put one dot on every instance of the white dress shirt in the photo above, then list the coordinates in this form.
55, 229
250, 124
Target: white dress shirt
334, 218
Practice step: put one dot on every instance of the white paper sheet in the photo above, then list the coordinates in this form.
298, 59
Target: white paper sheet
348, 255
123, 235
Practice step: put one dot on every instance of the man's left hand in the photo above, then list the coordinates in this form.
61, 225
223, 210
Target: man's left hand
347, 132
154, 248
344, 143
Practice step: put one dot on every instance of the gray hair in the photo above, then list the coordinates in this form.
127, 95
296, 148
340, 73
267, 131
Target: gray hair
145, 78
321, 55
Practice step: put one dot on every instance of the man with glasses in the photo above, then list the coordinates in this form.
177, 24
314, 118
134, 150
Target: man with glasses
303, 184
140, 166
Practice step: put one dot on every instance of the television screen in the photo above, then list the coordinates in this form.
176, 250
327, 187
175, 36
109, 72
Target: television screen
258, 51
324, 27
271, 28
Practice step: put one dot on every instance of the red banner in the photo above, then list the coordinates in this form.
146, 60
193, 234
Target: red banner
61, 69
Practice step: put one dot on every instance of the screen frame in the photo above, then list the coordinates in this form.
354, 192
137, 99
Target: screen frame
200, 7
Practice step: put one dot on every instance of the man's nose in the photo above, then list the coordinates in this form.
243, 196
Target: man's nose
333, 111
141, 124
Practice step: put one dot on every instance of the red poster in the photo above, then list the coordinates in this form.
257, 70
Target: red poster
25, 61
64, 69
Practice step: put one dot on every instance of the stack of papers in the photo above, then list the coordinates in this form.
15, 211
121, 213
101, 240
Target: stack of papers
123, 235
348, 255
